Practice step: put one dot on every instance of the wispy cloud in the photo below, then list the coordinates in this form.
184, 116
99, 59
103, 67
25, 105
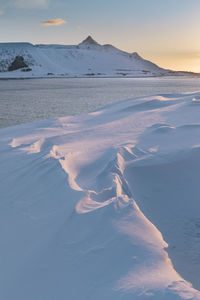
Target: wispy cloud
54, 22
32, 3
22, 4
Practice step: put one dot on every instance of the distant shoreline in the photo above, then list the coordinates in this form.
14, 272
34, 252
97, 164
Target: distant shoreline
195, 75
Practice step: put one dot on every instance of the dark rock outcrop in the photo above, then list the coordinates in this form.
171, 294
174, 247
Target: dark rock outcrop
18, 63
89, 41
26, 69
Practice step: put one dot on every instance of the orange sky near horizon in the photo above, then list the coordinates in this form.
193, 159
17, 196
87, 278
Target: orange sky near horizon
177, 62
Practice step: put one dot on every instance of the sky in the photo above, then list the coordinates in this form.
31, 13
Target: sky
166, 32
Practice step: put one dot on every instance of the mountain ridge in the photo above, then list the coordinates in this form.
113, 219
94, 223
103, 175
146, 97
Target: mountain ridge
86, 59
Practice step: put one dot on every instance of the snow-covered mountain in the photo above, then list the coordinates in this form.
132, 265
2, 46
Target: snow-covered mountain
86, 59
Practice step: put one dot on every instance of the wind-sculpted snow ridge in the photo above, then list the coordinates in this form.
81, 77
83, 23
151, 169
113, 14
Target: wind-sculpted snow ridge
103, 205
87, 59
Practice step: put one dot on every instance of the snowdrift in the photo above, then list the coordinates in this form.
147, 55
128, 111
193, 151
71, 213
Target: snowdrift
103, 205
87, 59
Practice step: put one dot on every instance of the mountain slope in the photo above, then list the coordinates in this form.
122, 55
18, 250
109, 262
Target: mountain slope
84, 60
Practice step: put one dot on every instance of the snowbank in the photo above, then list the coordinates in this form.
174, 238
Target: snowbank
103, 205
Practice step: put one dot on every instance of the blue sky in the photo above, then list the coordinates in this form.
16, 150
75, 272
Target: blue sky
165, 31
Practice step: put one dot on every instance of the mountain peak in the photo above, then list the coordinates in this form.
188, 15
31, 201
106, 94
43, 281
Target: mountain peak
89, 41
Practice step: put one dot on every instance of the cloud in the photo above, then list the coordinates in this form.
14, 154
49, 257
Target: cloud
32, 3
1, 12
54, 22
